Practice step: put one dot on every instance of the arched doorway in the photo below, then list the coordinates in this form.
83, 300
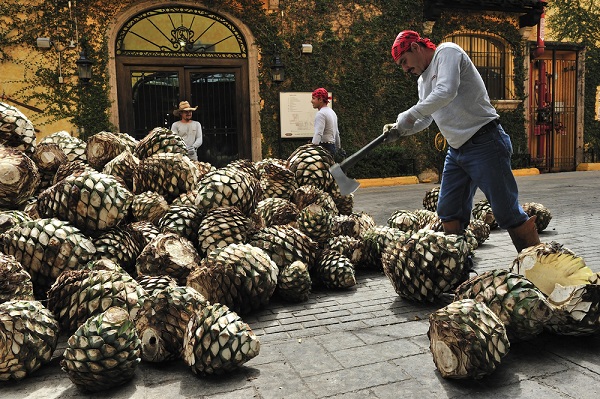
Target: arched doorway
167, 53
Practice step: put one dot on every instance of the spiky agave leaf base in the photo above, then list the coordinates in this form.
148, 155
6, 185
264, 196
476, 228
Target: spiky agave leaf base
515, 300
104, 352
467, 340
576, 310
28, 336
426, 265
163, 319
294, 282
218, 341
15, 282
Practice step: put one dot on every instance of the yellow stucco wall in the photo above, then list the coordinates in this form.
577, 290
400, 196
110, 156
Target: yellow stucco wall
12, 82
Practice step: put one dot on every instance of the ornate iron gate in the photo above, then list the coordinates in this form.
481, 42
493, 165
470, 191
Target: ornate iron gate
215, 94
553, 111
154, 94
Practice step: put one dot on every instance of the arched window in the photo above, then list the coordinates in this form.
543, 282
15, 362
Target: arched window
180, 32
493, 60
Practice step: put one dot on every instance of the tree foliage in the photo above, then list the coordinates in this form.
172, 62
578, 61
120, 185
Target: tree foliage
575, 21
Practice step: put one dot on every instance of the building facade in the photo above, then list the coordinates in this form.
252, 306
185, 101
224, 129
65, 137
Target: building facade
161, 52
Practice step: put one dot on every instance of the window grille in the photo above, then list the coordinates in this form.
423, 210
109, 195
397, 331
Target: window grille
493, 60
180, 32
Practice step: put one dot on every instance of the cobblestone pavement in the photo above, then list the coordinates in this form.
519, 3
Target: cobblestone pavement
367, 342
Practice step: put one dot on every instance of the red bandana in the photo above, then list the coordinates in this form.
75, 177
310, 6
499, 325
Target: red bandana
322, 94
405, 39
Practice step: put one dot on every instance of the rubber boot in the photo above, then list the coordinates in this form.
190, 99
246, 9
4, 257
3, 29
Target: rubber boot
452, 227
525, 235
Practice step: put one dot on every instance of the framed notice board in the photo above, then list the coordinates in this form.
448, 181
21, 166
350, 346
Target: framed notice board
297, 114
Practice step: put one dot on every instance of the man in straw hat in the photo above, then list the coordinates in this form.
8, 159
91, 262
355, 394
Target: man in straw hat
453, 94
188, 129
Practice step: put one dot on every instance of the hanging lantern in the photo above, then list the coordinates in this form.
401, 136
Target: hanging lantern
84, 67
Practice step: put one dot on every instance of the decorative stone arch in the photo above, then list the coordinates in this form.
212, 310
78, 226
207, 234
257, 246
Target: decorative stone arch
253, 54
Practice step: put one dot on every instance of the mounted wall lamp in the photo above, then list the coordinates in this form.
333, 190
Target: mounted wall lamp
277, 68
43, 42
307, 48
84, 67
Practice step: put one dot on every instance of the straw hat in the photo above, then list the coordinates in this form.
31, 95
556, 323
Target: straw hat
184, 106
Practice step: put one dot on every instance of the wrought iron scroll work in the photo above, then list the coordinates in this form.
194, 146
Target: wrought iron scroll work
179, 40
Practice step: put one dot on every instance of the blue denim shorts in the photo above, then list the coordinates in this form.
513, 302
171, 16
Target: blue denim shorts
482, 162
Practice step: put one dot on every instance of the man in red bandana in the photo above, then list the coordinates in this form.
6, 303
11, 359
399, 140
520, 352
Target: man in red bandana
453, 95
327, 133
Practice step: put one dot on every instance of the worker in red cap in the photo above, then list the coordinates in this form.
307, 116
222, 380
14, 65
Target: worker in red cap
453, 95
327, 133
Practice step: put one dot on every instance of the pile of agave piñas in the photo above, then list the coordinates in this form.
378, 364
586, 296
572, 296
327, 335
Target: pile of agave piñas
141, 254
133, 252
547, 288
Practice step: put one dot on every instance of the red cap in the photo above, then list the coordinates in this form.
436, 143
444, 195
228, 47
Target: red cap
405, 39
322, 94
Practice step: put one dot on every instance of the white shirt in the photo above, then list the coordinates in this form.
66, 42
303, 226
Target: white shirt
190, 132
453, 94
326, 127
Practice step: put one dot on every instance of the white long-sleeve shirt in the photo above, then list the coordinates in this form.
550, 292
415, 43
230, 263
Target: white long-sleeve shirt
190, 132
453, 94
326, 128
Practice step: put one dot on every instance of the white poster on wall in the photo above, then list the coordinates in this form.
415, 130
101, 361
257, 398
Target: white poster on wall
297, 114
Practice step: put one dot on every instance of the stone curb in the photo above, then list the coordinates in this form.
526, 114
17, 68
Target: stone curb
588, 166
388, 181
403, 180
526, 172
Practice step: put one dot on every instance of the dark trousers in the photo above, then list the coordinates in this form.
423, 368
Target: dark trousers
482, 162
329, 147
